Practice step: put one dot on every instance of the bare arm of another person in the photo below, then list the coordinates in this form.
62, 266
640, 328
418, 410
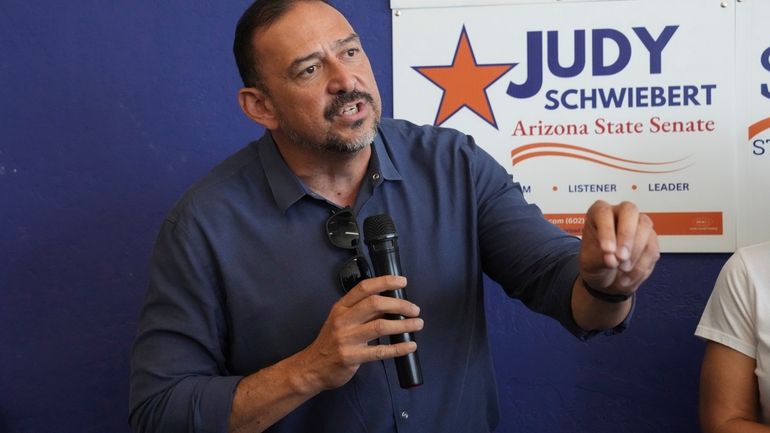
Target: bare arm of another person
729, 394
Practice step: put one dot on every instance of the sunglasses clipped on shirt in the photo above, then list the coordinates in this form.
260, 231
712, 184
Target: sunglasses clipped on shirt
342, 231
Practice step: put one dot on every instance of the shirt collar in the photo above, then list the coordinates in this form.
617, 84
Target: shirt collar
287, 188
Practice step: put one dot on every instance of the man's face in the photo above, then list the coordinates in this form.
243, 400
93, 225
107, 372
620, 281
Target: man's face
318, 80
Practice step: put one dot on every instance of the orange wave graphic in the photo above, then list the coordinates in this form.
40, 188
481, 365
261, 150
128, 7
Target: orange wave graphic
533, 150
759, 127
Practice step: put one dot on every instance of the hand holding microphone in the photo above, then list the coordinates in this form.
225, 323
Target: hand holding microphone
380, 235
364, 313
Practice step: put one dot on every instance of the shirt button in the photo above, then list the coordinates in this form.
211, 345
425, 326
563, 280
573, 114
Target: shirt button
376, 176
404, 414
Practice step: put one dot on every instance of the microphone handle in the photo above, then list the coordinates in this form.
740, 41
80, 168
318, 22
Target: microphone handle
385, 260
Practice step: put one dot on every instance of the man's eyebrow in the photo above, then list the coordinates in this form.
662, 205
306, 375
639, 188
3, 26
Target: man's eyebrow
352, 38
318, 55
296, 63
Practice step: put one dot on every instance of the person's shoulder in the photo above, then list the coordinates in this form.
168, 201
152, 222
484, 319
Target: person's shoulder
745, 269
409, 129
751, 261
223, 182
428, 137
748, 257
760, 251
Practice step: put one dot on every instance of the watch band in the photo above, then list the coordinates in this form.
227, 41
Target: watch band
614, 298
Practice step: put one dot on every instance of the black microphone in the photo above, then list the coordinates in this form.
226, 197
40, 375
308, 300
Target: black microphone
380, 236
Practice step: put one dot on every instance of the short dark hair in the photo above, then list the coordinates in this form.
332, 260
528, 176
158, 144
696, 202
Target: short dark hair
261, 14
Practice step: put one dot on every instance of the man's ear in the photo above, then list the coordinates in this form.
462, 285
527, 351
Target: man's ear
256, 105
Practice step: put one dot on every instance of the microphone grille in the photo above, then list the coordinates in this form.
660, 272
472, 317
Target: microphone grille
379, 226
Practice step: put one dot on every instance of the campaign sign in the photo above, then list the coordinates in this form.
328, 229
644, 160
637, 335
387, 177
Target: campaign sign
753, 107
584, 101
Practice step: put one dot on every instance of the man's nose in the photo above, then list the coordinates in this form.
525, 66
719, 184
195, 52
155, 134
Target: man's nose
342, 79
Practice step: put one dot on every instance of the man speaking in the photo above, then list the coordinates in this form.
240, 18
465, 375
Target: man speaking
263, 311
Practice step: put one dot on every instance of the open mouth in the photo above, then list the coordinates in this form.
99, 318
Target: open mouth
348, 105
349, 110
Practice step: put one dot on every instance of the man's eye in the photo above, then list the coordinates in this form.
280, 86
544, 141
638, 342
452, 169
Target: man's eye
352, 52
310, 70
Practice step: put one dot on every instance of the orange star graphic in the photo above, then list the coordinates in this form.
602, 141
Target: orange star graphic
464, 82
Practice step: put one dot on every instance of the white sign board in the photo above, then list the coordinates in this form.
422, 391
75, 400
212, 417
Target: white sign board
753, 176
613, 100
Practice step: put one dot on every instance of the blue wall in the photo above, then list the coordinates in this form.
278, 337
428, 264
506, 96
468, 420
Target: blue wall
109, 110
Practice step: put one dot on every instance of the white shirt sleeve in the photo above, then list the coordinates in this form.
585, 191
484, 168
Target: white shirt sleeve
729, 316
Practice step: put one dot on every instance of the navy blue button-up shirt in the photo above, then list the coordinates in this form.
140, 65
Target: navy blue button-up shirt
244, 276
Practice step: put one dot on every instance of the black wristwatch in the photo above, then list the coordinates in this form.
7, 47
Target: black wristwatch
614, 298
